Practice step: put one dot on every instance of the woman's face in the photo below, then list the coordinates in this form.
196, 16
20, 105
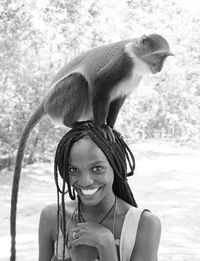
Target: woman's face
90, 173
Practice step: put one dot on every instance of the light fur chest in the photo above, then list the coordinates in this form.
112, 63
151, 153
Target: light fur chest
125, 87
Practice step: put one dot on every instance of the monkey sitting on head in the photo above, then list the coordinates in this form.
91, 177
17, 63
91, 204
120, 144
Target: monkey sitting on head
93, 87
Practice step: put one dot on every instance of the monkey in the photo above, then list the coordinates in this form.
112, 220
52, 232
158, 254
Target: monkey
92, 87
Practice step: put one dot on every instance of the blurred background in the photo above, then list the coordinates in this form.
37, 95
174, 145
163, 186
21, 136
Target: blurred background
160, 121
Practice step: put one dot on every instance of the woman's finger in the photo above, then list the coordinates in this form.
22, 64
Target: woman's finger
75, 235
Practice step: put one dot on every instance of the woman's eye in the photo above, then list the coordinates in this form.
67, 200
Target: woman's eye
73, 171
97, 169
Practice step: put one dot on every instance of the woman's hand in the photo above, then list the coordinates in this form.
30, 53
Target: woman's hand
96, 236
91, 234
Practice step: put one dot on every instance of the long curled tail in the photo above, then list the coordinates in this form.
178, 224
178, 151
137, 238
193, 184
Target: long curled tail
35, 118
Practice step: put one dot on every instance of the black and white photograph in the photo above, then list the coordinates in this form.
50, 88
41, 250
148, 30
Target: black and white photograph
99, 130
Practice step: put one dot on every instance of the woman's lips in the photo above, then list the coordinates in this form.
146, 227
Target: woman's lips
89, 192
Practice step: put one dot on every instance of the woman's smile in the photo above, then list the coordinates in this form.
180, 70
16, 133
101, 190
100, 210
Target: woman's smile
88, 192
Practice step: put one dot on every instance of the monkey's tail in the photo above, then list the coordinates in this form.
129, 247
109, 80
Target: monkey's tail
35, 118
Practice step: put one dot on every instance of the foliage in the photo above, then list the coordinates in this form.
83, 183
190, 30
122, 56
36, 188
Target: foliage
38, 37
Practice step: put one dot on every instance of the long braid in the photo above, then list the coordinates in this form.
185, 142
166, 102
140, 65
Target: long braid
118, 154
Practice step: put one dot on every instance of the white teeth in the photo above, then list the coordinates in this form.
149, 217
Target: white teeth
89, 192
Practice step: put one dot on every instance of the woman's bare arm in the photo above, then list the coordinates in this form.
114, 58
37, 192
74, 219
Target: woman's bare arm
46, 227
147, 239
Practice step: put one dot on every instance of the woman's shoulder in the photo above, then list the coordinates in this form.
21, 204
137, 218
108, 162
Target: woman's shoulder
145, 217
150, 220
50, 211
49, 217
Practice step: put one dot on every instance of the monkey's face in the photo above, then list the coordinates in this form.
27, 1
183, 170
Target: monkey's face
156, 61
153, 50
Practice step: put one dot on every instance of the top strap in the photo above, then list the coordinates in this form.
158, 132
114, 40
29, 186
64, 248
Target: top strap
129, 232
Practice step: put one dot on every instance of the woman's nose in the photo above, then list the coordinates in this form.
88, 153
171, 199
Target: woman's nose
85, 179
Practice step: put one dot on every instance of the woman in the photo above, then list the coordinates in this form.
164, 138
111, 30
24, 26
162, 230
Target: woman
103, 223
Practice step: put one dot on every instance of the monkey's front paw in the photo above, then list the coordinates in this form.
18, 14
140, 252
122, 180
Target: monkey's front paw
108, 133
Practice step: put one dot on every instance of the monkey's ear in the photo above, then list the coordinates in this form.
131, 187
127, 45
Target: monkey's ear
144, 39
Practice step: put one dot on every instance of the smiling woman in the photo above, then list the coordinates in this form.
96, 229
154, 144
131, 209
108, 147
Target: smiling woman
103, 221
91, 175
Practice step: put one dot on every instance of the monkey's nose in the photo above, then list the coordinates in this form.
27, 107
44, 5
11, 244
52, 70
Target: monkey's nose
170, 54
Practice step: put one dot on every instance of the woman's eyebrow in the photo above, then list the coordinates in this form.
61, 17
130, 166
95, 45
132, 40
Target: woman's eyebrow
71, 164
93, 162
98, 161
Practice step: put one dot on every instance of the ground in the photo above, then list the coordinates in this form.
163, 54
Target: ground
166, 181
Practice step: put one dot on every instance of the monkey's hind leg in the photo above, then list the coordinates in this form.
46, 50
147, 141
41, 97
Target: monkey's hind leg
68, 99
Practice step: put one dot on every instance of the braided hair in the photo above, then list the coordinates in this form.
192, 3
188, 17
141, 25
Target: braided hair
117, 153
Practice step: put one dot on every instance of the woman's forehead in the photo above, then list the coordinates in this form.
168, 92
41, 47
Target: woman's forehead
87, 149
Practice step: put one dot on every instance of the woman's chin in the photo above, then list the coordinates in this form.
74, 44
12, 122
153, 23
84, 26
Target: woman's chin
91, 199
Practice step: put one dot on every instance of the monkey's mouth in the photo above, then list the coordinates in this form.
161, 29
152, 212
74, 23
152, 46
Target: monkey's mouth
155, 68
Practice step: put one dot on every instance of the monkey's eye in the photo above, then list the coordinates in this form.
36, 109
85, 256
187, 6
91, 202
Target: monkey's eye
161, 56
144, 39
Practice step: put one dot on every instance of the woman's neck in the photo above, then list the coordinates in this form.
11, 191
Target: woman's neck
98, 212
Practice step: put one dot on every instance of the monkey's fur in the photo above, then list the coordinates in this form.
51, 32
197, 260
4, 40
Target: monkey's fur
93, 86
